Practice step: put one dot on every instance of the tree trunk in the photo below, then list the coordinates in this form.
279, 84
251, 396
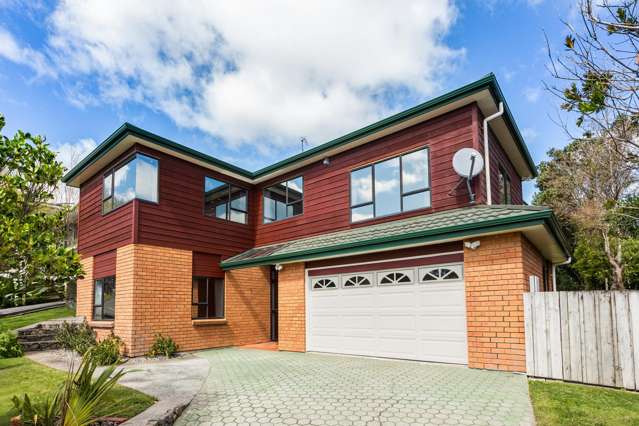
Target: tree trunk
616, 262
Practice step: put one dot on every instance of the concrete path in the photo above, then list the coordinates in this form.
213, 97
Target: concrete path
30, 308
256, 387
173, 382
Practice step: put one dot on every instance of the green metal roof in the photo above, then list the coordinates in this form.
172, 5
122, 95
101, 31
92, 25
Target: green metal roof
446, 225
488, 82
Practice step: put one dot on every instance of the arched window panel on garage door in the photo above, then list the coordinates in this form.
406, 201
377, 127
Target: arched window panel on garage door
357, 280
324, 283
404, 276
440, 273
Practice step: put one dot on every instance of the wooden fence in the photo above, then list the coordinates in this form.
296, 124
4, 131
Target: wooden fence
583, 336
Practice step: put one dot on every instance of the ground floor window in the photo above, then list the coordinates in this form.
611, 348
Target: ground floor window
208, 298
104, 299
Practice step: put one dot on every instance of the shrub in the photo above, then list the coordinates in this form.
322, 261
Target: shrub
78, 400
9, 346
107, 351
76, 337
163, 346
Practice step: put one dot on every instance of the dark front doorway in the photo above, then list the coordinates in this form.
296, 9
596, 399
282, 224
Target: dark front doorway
273, 304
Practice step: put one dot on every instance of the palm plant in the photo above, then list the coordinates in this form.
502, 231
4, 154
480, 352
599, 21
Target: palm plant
78, 400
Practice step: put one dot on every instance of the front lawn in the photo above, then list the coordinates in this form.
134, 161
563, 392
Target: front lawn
16, 321
558, 403
21, 375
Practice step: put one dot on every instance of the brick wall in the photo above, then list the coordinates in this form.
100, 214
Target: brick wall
84, 290
496, 276
153, 295
292, 308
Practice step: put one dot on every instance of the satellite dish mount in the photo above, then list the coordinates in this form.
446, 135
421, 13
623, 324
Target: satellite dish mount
468, 163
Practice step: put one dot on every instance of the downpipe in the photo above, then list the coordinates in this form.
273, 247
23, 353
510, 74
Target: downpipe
489, 194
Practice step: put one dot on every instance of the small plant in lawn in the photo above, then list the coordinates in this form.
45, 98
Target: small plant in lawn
76, 337
76, 402
106, 351
163, 346
9, 346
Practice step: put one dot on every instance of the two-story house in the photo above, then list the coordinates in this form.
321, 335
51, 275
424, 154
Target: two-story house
368, 244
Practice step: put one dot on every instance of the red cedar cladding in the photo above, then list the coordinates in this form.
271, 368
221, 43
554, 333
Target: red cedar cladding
326, 187
206, 265
177, 221
104, 264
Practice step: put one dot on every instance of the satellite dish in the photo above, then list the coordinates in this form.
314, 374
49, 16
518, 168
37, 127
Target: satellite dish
468, 163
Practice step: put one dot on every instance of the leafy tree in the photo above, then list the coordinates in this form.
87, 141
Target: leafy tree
33, 259
591, 186
598, 75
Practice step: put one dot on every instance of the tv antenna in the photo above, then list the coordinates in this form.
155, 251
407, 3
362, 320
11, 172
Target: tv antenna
303, 141
468, 163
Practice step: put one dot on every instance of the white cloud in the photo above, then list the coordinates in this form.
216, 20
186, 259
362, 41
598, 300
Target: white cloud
10, 49
529, 133
532, 94
70, 154
264, 73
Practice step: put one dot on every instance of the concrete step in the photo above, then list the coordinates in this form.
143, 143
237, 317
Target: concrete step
42, 345
36, 337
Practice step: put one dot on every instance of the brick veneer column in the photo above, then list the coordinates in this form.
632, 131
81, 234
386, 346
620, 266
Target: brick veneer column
496, 275
84, 290
124, 295
291, 308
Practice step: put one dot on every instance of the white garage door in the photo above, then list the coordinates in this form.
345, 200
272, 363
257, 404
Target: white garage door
414, 313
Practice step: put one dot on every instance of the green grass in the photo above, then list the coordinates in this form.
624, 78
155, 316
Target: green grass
557, 403
21, 375
17, 321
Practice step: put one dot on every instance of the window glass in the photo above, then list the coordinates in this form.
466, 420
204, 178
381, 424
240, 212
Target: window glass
416, 201
138, 178
286, 199
239, 205
207, 298
124, 184
415, 171
104, 299
146, 178
106, 186
387, 190
391, 186
225, 201
362, 213
216, 197
362, 186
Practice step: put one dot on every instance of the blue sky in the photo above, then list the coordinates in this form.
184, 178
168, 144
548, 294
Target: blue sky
245, 85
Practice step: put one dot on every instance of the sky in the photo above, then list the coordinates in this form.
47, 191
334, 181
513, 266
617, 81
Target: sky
245, 81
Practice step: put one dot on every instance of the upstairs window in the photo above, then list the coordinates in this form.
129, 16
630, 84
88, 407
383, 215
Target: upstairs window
504, 187
284, 200
225, 201
392, 186
136, 178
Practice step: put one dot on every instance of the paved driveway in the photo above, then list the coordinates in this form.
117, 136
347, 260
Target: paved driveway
255, 387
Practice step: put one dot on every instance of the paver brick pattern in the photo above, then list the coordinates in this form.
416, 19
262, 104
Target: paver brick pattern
246, 387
